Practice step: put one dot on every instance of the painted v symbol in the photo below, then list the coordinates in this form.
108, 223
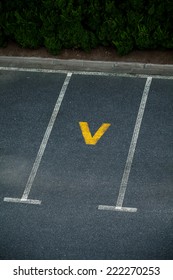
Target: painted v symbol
89, 139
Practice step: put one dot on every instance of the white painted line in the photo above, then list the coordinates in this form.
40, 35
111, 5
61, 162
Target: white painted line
42, 148
132, 148
133, 143
39, 70
19, 200
89, 73
115, 208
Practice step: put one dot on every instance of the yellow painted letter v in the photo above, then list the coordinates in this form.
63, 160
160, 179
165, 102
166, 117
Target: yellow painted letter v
89, 139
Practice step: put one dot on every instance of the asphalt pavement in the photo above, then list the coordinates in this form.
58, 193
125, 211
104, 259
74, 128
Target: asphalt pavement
86, 166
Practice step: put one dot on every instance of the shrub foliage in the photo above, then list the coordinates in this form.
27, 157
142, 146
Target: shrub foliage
85, 24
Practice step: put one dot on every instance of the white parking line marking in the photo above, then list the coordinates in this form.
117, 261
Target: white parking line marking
131, 153
116, 208
42, 148
88, 73
21, 200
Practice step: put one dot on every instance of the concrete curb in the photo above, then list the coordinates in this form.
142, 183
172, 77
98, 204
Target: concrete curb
87, 65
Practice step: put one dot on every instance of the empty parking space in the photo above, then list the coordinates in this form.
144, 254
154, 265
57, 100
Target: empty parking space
88, 174
74, 144
27, 101
150, 185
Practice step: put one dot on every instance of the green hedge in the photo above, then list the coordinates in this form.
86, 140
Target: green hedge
86, 24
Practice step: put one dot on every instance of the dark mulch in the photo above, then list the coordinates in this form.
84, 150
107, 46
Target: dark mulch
100, 53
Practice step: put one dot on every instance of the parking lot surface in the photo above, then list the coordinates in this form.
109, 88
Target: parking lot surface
86, 166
